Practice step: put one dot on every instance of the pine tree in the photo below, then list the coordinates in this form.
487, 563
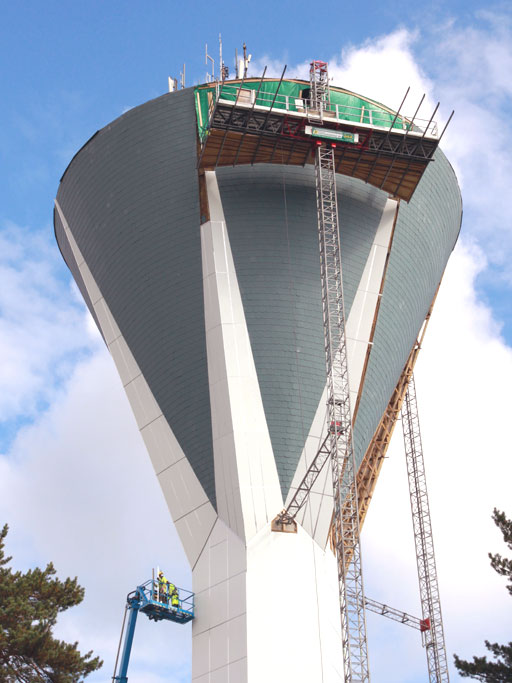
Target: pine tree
29, 605
499, 670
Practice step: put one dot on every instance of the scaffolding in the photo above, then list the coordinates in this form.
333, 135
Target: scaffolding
346, 514
421, 625
262, 120
341, 451
423, 538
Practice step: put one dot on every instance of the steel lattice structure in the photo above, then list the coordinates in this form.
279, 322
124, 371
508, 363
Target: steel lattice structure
396, 615
301, 496
423, 539
346, 517
319, 85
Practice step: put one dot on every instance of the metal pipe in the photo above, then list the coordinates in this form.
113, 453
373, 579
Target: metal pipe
402, 146
446, 125
228, 122
267, 116
114, 677
386, 138
249, 116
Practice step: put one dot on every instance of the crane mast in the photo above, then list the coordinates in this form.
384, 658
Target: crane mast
423, 539
340, 442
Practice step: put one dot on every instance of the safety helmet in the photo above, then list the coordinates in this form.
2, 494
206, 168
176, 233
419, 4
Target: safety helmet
160, 573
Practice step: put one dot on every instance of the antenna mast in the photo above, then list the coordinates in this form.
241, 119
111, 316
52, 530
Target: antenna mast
209, 78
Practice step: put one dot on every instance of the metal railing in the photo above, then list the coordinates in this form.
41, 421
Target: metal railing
365, 115
152, 592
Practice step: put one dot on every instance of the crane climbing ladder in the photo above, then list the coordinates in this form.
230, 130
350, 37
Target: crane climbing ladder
423, 539
339, 440
337, 445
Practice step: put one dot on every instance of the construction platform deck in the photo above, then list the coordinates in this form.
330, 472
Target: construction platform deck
268, 121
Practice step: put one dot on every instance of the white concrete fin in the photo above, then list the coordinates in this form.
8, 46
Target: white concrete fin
364, 306
163, 447
190, 508
194, 528
219, 581
182, 489
126, 364
89, 282
143, 403
246, 480
72, 243
317, 516
106, 321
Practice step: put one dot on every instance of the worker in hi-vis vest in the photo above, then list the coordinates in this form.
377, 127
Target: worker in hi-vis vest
168, 589
175, 598
164, 585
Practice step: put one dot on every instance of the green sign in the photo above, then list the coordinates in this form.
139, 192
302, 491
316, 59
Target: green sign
329, 134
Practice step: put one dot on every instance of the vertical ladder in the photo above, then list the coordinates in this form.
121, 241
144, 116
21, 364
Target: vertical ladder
346, 518
423, 539
318, 90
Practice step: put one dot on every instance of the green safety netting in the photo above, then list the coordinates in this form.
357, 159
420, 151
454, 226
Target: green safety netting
349, 106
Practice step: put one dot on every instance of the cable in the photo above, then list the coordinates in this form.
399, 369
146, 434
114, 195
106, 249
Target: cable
120, 641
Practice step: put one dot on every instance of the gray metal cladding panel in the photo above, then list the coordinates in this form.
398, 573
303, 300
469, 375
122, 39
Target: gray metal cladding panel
131, 199
425, 234
271, 219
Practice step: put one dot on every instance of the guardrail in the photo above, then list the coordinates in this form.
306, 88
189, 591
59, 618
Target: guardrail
151, 592
231, 93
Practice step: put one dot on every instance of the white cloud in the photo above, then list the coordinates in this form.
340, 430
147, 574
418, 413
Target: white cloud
77, 488
384, 69
471, 66
41, 327
463, 375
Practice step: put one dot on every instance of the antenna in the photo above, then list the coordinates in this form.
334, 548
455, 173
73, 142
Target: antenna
247, 59
224, 69
173, 84
182, 75
209, 78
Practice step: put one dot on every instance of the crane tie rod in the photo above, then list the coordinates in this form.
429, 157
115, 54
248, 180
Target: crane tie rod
301, 495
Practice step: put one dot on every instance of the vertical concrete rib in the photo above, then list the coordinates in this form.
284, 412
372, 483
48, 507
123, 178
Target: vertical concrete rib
246, 480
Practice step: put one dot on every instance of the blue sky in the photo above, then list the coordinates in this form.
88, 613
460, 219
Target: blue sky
68, 69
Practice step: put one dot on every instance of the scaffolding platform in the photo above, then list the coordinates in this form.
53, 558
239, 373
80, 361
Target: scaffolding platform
156, 605
270, 121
